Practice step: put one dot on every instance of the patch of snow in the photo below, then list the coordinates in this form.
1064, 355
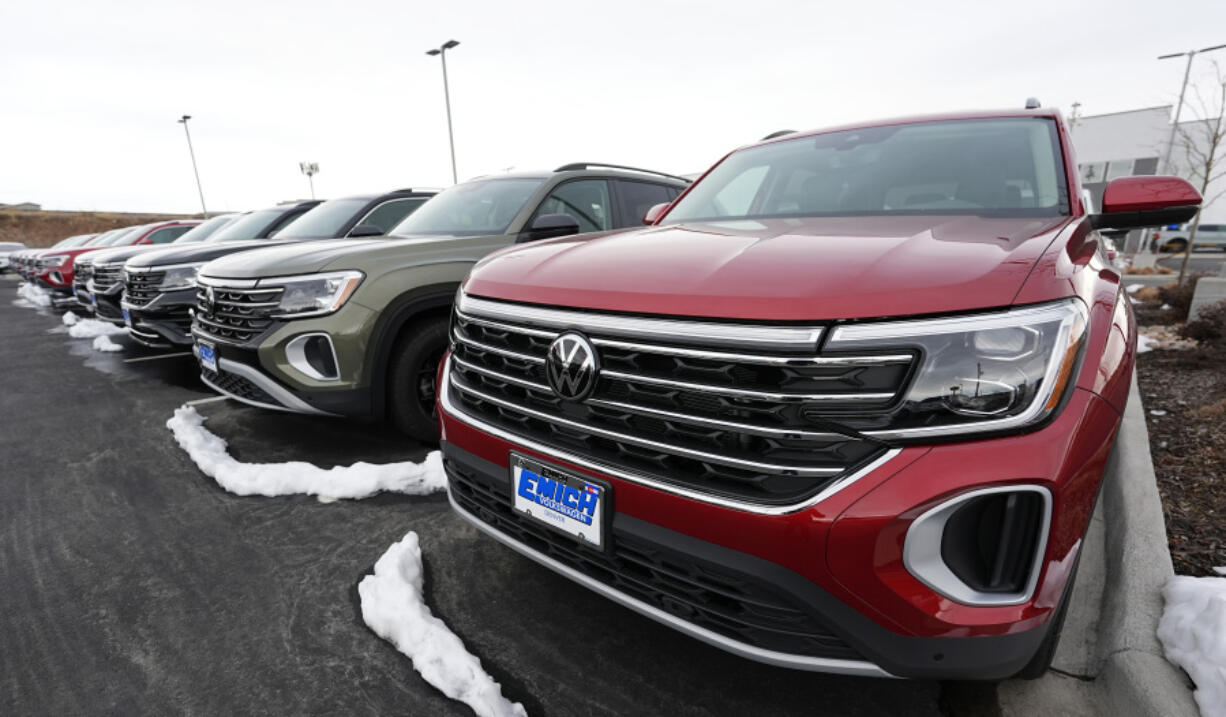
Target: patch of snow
35, 295
70, 318
1193, 633
1145, 343
1134, 300
1157, 412
104, 343
89, 328
1220, 571
1135, 287
393, 607
1165, 307
360, 480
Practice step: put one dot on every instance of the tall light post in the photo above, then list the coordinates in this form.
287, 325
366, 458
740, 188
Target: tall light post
310, 169
1170, 144
442, 53
183, 121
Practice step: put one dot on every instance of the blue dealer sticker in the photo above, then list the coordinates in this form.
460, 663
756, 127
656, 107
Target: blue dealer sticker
567, 503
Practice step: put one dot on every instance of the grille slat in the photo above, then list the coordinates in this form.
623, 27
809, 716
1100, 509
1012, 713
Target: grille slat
141, 287
754, 427
106, 276
235, 314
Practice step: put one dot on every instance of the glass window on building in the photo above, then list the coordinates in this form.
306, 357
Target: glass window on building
1117, 168
1148, 165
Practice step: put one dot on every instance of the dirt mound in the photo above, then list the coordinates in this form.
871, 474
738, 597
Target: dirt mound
44, 228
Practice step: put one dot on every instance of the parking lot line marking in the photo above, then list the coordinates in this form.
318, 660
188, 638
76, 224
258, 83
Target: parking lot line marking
210, 399
155, 358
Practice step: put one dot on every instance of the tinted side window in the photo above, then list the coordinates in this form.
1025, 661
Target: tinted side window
587, 200
638, 197
169, 234
388, 214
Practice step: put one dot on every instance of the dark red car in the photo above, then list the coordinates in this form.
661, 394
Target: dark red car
845, 406
54, 270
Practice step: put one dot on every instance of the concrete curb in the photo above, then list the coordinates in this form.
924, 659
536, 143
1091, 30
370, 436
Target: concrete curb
1110, 660
1135, 677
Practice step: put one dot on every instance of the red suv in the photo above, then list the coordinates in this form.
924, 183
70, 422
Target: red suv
845, 406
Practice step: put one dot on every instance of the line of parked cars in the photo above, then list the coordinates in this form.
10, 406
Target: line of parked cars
842, 404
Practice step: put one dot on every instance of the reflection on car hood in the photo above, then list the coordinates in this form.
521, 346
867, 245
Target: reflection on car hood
197, 252
779, 269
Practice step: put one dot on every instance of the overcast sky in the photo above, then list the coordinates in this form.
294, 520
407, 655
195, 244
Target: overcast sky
92, 89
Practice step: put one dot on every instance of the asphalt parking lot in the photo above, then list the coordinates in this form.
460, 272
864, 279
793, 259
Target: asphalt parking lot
133, 584
1203, 261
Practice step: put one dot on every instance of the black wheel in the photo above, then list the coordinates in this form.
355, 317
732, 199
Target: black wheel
414, 366
1175, 245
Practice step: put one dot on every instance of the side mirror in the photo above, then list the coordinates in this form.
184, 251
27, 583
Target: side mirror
548, 226
653, 215
1136, 202
365, 230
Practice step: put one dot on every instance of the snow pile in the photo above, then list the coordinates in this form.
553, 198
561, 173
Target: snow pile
360, 480
90, 328
104, 343
393, 606
1161, 337
35, 295
1133, 288
70, 318
1193, 631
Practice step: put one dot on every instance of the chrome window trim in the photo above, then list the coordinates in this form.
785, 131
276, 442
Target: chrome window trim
922, 550
601, 468
758, 336
752, 652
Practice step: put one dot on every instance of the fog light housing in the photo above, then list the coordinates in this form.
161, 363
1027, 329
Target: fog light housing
314, 356
982, 548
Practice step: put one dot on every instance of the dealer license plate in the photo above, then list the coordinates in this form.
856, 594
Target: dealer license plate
93, 299
208, 355
561, 500
127, 318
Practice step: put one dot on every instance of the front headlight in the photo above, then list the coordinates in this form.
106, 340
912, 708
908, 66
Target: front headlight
313, 294
976, 374
178, 277
53, 260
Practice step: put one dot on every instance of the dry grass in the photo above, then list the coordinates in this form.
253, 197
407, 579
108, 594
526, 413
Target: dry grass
1150, 271
1148, 294
44, 228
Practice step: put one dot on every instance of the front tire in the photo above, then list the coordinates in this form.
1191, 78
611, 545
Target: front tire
414, 366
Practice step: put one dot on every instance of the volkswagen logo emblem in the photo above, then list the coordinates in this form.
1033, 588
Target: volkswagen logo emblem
571, 366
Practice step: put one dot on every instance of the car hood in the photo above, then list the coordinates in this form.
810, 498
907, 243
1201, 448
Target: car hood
195, 253
779, 269
340, 254
111, 255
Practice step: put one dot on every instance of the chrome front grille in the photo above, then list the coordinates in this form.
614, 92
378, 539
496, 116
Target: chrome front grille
81, 275
106, 276
141, 287
235, 314
744, 412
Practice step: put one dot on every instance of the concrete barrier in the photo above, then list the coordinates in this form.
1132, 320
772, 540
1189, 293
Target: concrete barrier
1209, 290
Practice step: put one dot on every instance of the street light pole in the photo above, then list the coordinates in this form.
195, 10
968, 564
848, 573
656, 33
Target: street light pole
183, 121
310, 169
442, 53
1190, 54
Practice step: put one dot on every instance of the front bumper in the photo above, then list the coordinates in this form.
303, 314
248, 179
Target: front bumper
836, 565
163, 322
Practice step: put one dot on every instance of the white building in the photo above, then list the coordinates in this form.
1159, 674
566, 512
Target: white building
1122, 144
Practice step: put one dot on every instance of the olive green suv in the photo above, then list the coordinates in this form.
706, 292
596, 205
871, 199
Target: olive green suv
357, 327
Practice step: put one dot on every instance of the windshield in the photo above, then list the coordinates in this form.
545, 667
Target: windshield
74, 241
486, 206
204, 230
248, 226
324, 221
989, 167
123, 237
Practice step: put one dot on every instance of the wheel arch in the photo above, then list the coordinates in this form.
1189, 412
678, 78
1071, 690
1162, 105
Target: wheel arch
404, 310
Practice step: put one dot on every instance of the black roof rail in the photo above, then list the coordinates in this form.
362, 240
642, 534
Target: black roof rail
779, 133
416, 190
589, 165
